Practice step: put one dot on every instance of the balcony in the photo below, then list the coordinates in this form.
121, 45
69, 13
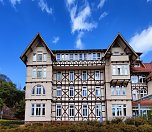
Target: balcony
120, 58
85, 64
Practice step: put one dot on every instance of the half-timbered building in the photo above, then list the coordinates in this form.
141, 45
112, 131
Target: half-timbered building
80, 85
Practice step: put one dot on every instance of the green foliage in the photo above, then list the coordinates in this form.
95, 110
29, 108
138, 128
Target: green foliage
136, 121
117, 120
87, 126
11, 97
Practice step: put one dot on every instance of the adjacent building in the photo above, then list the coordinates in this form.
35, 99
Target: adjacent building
79, 85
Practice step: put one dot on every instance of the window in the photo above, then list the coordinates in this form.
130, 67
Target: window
62, 57
39, 73
112, 90
58, 110
123, 90
38, 90
71, 91
44, 57
66, 57
34, 72
125, 70
59, 76
98, 56
71, 56
84, 91
85, 56
97, 75
113, 70
141, 79
135, 94
80, 56
38, 110
94, 56
120, 70
71, 75
84, 75
98, 110
143, 93
39, 57
71, 111
44, 73
58, 57
58, 91
134, 79
117, 90
98, 91
118, 110
89, 56
76, 56
34, 56
84, 110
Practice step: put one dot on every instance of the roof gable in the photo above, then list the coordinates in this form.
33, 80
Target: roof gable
38, 41
120, 41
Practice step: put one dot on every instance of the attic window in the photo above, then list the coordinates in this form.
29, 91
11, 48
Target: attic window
116, 53
39, 57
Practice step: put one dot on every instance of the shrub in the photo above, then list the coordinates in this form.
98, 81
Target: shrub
136, 121
145, 128
117, 120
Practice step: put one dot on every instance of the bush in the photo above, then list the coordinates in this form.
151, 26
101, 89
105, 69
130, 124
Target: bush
145, 128
117, 120
136, 121
10, 122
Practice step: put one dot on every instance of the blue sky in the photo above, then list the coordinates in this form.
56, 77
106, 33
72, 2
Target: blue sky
71, 24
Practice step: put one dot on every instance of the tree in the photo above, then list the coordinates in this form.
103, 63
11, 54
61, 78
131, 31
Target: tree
1, 107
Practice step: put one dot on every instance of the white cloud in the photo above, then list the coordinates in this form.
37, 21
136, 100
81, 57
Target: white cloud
101, 3
79, 43
142, 41
149, 1
104, 14
55, 40
80, 18
44, 6
14, 2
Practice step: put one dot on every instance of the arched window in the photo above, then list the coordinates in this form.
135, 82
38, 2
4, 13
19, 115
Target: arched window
38, 90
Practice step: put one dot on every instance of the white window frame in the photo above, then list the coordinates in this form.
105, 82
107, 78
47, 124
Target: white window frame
86, 108
71, 110
34, 74
84, 91
71, 90
84, 75
58, 91
38, 57
97, 75
38, 109
58, 57
113, 69
58, 110
119, 110
112, 90
39, 73
38, 90
118, 90
44, 57
59, 76
71, 75
123, 88
71, 57
98, 110
99, 91
125, 69
34, 57
44, 72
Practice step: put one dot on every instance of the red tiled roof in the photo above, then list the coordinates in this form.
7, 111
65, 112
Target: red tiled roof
146, 67
143, 102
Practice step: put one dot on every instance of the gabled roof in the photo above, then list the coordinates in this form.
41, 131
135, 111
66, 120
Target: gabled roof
119, 36
38, 36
